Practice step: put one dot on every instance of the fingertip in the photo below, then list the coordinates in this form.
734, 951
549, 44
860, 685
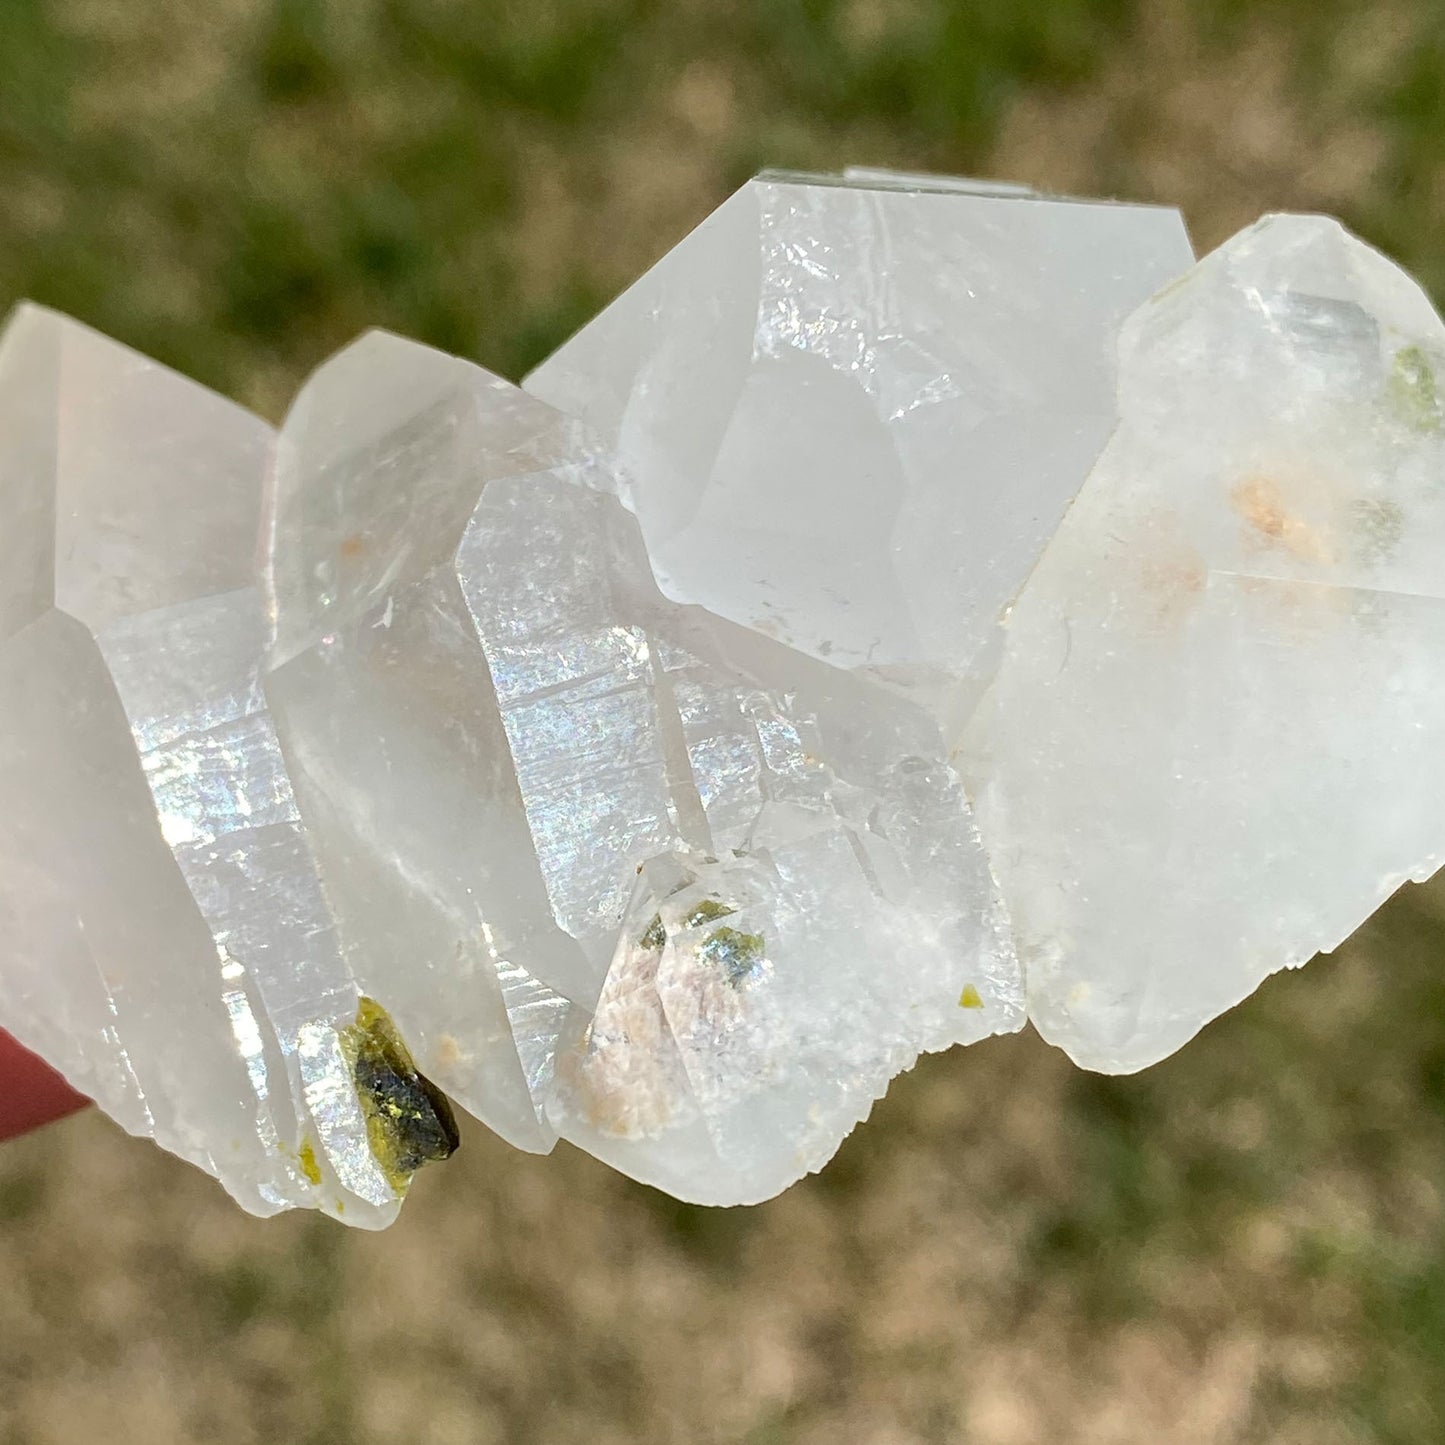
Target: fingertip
31, 1092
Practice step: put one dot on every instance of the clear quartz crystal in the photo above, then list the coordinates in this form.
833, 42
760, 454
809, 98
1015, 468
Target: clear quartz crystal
1214, 745
167, 942
852, 410
547, 798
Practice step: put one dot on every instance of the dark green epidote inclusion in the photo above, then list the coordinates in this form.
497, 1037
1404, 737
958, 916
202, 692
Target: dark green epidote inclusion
409, 1121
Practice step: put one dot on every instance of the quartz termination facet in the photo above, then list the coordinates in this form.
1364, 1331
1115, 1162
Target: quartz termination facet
619, 733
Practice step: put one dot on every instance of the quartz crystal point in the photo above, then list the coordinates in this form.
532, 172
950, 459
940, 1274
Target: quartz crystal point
631, 873
167, 944
852, 412
1215, 742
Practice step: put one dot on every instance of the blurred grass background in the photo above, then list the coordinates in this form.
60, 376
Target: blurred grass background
1244, 1244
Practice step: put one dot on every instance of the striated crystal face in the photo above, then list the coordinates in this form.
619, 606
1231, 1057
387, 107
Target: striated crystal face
167, 942
632, 874
851, 414
1221, 692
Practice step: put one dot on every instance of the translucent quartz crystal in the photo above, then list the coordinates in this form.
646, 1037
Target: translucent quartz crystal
626, 871
851, 413
1216, 740
166, 941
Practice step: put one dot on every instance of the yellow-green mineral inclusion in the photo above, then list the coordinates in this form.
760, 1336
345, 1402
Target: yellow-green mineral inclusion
408, 1119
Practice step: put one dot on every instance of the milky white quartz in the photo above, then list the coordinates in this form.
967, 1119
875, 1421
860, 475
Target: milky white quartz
166, 942
851, 414
622, 871
1217, 739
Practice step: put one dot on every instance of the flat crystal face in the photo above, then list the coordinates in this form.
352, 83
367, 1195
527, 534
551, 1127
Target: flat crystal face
1214, 746
851, 412
507, 752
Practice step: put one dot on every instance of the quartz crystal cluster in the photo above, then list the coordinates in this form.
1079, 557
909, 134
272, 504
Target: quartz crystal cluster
168, 942
812, 665
621, 868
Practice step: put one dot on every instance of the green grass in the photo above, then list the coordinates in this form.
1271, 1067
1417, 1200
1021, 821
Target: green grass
367, 165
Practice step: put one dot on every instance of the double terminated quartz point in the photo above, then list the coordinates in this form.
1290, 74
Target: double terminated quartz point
615, 734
